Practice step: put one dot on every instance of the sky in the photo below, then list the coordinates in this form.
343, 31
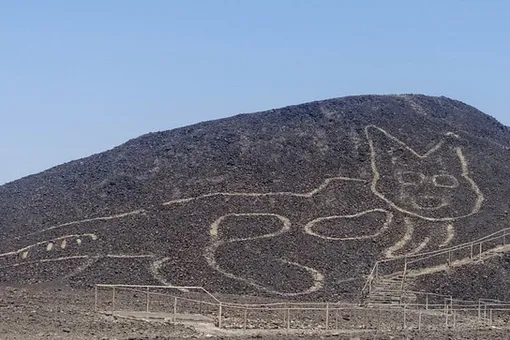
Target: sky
80, 77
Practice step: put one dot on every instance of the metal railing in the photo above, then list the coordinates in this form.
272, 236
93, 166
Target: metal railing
198, 304
429, 311
421, 263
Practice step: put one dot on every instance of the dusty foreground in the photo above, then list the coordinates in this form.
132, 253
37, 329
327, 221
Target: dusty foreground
62, 313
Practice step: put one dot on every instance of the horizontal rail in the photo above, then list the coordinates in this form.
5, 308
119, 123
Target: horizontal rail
158, 287
482, 240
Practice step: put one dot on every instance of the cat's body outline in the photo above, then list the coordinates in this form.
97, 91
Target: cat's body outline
390, 207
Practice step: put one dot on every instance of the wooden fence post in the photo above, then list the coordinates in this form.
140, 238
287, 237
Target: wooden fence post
446, 313
479, 310
175, 309
327, 316
288, 319
336, 318
404, 325
113, 299
147, 302
245, 316
485, 314
95, 298
219, 314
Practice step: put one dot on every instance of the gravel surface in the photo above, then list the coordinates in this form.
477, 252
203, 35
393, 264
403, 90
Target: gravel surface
30, 313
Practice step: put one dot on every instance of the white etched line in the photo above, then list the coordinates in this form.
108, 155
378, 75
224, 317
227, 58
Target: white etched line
310, 225
102, 218
408, 235
309, 194
213, 231
450, 233
377, 175
27, 248
120, 256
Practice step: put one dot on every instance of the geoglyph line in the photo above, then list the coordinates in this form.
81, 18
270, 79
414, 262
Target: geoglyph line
309, 226
121, 256
76, 257
210, 255
309, 194
450, 234
390, 252
57, 259
155, 269
61, 238
213, 231
102, 218
317, 277
377, 175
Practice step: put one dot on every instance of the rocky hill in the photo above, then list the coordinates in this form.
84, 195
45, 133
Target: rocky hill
296, 202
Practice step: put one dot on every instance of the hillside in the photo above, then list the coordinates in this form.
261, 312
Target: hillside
297, 202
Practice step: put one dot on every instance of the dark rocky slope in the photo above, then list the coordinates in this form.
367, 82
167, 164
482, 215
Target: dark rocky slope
281, 202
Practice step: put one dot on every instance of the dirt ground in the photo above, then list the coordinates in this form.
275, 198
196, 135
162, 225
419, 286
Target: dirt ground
29, 313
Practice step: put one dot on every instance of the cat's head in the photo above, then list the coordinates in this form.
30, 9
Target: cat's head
434, 186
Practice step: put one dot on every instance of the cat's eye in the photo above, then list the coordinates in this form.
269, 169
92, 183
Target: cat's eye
410, 177
445, 181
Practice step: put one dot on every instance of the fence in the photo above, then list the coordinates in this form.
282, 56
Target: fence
404, 267
178, 304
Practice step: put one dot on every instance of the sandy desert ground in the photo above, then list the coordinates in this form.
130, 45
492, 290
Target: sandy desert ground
29, 313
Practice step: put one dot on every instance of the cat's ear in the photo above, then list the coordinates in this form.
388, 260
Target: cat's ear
388, 152
385, 148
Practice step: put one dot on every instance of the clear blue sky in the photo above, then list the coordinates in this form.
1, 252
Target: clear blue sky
79, 77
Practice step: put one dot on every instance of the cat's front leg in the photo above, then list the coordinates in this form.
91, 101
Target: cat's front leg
421, 236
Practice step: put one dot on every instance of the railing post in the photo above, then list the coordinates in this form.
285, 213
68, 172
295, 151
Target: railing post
480, 255
336, 318
485, 314
427, 301
285, 314
288, 319
419, 320
479, 310
490, 317
327, 316
147, 302
370, 283
402, 286
113, 299
95, 298
449, 258
404, 325
446, 313
219, 314
175, 309
472, 244
245, 316
379, 312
